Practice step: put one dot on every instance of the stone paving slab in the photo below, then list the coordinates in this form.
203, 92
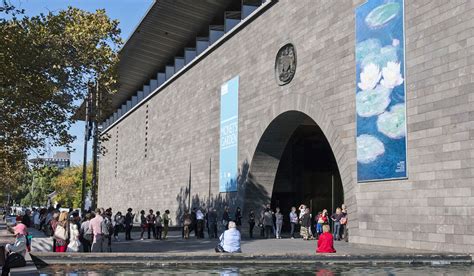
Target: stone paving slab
175, 249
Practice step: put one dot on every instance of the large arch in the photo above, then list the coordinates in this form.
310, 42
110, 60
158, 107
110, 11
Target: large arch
277, 126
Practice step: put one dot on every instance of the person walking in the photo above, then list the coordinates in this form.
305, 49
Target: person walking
278, 222
251, 223
166, 223
150, 221
212, 223
86, 233
143, 223
159, 225
238, 217
200, 224
129, 224
293, 221
96, 226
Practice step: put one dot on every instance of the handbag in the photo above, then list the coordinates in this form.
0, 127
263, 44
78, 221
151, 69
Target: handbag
187, 222
60, 232
15, 260
343, 220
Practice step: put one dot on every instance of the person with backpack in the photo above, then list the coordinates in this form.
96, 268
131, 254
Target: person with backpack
86, 234
129, 224
107, 230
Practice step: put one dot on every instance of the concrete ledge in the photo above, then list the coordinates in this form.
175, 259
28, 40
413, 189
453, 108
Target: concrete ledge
44, 259
29, 269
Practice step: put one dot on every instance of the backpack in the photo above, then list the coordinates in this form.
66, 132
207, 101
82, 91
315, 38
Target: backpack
107, 227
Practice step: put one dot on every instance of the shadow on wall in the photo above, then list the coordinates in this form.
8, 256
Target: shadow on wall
247, 188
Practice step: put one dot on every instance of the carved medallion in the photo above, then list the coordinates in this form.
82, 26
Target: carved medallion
285, 64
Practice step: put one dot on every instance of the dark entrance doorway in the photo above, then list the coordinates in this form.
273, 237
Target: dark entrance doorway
307, 174
293, 164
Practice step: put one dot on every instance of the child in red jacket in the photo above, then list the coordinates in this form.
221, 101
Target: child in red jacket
325, 241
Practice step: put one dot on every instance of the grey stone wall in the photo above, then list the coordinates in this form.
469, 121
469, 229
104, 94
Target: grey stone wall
431, 210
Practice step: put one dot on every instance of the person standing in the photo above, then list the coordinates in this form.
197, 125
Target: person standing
142, 223
226, 218
278, 222
159, 225
212, 223
129, 217
187, 222
26, 220
119, 221
268, 222
238, 217
293, 221
86, 233
96, 227
251, 223
61, 232
344, 229
166, 223
150, 222
336, 217
107, 230
193, 226
305, 225
200, 224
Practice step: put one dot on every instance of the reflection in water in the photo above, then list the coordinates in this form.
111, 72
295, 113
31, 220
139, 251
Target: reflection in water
252, 269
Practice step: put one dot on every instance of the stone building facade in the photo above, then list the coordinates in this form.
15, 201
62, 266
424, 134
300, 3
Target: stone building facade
170, 143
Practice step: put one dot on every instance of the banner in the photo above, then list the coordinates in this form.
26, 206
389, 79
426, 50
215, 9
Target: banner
229, 136
380, 91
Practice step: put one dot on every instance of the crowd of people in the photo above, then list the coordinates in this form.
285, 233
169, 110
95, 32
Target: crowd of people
95, 231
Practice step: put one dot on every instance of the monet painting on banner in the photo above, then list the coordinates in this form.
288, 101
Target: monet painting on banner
380, 91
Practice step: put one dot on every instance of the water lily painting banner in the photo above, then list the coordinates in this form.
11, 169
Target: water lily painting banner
380, 91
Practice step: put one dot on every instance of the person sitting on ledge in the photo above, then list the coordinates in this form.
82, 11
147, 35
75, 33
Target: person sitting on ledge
16, 252
325, 241
230, 240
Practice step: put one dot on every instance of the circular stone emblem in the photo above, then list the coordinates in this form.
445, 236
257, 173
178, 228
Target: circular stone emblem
285, 64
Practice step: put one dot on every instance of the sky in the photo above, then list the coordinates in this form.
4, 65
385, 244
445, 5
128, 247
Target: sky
128, 12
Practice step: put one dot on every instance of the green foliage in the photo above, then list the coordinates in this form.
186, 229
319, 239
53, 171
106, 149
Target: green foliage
68, 185
46, 64
38, 187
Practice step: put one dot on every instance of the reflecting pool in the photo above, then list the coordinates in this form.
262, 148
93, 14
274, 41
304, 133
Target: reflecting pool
252, 269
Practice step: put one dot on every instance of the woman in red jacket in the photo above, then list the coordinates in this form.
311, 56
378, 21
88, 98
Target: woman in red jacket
325, 241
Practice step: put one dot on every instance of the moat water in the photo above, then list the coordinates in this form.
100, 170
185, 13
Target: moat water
249, 269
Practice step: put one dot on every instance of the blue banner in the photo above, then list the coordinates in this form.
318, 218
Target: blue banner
380, 91
229, 136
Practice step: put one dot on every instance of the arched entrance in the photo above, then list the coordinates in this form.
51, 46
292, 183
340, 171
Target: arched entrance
295, 164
